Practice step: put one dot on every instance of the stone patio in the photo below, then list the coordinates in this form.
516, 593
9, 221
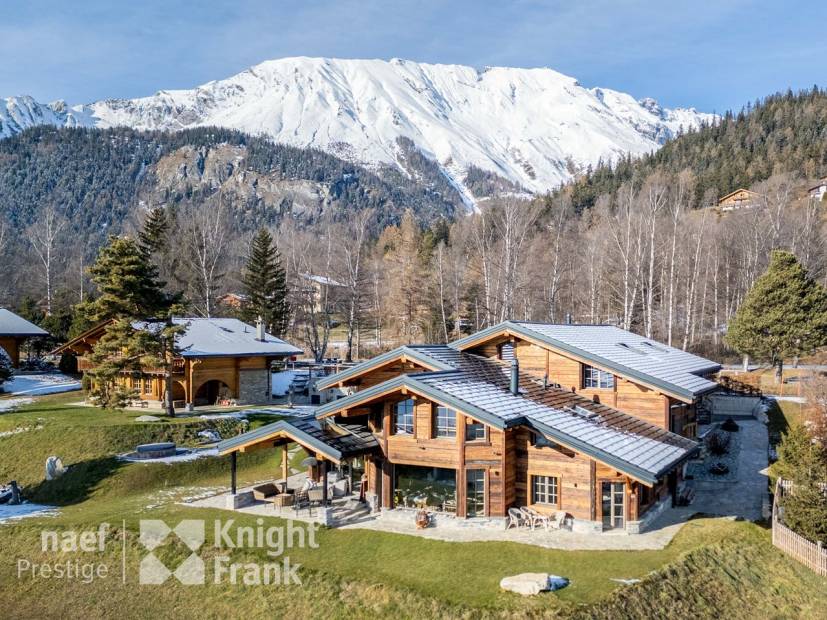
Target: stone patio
742, 498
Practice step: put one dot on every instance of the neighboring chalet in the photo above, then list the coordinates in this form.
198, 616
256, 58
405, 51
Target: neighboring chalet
819, 190
739, 199
220, 361
578, 418
14, 330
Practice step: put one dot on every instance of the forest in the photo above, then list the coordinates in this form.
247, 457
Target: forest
386, 262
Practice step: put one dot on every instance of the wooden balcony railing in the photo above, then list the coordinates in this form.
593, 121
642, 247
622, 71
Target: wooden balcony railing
177, 366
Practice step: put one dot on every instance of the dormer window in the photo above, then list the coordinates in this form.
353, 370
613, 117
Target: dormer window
594, 378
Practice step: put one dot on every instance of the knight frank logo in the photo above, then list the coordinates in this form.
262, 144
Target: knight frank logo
153, 534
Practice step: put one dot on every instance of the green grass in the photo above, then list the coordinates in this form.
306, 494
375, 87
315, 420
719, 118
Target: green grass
713, 567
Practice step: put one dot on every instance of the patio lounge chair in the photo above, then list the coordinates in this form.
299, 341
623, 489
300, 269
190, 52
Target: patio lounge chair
534, 518
515, 518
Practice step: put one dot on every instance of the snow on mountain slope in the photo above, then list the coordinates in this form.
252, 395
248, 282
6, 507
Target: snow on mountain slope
535, 127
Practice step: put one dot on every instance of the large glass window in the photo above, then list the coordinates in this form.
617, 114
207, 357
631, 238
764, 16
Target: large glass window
445, 422
596, 378
429, 487
544, 490
404, 417
475, 431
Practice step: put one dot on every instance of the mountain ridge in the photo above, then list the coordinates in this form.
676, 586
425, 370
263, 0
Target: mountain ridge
534, 127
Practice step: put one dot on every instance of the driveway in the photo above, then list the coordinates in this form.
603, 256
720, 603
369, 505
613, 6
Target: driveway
745, 496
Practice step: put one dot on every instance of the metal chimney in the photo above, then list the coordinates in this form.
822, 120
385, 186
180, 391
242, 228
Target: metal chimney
568, 318
515, 377
260, 329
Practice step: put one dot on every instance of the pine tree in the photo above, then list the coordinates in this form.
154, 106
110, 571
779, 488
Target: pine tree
265, 285
127, 282
805, 508
154, 234
6, 369
784, 314
130, 292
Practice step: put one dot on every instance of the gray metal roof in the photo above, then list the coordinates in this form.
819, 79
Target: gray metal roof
480, 387
335, 441
226, 338
419, 353
628, 354
14, 325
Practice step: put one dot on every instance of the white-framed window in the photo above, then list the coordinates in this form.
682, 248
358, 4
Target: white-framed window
404, 417
544, 490
596, 378
474, 431
445, 422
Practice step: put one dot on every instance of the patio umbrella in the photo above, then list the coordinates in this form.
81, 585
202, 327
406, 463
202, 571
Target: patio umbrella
310, 461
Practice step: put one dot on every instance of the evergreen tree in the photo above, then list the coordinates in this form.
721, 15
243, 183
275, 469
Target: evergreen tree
6, 369
805, 508
154, 234
265, 285
784, 314
127, 282
130, 292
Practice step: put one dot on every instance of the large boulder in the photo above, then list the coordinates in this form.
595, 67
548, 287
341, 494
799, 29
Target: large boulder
528, 584
54, 468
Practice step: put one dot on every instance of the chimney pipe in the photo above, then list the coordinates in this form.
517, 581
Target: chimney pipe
515, 377
568, 318
260, 329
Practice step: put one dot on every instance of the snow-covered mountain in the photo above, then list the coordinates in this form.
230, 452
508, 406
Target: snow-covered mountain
534, 127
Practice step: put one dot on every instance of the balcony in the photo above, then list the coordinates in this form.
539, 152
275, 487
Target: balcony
85, 364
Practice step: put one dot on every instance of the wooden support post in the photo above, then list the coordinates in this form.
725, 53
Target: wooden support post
233, 469
284, 468
324, 483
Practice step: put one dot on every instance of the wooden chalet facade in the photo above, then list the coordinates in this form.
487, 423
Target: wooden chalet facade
14, 330
739, 199
221, 361
517, 415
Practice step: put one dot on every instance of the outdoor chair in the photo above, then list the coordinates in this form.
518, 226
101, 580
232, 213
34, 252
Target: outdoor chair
301, 500
534, 518
515, 518
315, 497
558, 520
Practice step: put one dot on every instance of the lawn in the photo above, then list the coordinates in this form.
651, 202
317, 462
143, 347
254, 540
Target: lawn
714, 567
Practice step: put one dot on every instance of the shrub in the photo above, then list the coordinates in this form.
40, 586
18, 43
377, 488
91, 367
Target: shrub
718, 443
730, 426
68, 364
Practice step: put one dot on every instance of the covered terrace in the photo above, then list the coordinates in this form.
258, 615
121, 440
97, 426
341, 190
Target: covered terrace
335, 465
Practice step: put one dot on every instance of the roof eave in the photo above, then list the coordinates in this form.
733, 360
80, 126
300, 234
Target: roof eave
377, 362
410, 382
623, 371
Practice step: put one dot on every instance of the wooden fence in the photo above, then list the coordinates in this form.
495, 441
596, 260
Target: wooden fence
810, 554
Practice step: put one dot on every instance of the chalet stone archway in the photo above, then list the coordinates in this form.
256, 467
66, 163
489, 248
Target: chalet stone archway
211, 391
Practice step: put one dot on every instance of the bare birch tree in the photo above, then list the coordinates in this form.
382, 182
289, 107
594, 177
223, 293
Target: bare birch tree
43, 236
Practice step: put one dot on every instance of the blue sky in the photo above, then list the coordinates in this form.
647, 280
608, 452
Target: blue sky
712, 55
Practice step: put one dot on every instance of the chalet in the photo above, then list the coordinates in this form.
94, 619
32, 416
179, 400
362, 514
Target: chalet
819, 190
739, 199
572, 418
220, 361
14, 330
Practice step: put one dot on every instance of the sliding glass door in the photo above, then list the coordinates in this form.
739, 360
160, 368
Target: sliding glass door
475, 493
613, 495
